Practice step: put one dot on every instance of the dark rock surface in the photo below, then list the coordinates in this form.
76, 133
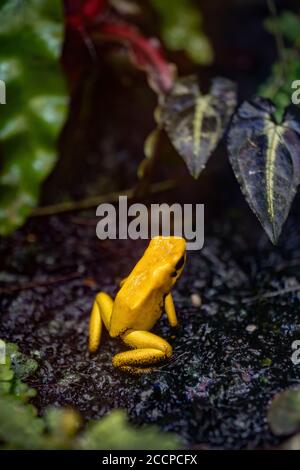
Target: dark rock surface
231, 355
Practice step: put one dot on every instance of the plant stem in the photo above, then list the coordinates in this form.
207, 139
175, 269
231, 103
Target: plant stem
270, 295
35, 284
279, 39
94, 201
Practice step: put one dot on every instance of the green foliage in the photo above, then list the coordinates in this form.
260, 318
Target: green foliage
284, 413
278, 87
286, 70
21, 428
30, 46
182, 29
22, 365
114, 432
287, 24
17, 366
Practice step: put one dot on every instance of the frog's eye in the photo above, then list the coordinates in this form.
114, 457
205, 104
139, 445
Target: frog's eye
179, 263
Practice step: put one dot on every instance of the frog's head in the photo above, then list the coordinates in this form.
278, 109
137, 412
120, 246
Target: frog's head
168, 258
138, 302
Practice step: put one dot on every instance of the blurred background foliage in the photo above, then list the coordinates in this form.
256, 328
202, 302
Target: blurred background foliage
101, 146
181, 24
31, 44
31, 35
62, 428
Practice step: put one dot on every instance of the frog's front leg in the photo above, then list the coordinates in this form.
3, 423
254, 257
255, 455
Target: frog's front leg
170, 310
149, 349
101, 312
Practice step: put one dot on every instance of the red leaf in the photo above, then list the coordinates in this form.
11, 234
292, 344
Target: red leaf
145, 53
89, 18
84, 13
92, 8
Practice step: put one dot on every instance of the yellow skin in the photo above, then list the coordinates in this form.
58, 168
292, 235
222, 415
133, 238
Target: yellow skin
139, 304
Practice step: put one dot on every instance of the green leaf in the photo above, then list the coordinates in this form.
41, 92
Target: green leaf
19, 425
31, 35
6, 374
115, 433
265, 157
62, 423
279, 89
22, 365
182, 29
287, 24
284, 413
196, 122
286, 70
17, 366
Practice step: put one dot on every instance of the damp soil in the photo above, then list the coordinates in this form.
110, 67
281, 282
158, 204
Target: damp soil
231, 353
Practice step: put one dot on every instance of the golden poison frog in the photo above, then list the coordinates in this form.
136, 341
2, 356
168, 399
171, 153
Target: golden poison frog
140, 302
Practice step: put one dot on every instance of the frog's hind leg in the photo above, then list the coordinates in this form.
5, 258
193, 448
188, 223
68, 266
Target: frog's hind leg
101, 312
170, 310
149, 349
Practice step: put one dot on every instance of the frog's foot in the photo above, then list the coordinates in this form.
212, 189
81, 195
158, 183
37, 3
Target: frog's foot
101, 312
149, 350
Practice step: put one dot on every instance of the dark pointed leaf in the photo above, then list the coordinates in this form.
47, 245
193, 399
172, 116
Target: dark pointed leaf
195, 122
265, 157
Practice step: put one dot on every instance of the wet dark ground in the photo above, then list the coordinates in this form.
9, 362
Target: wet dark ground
231, 355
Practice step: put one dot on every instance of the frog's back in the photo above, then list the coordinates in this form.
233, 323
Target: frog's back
139, 303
